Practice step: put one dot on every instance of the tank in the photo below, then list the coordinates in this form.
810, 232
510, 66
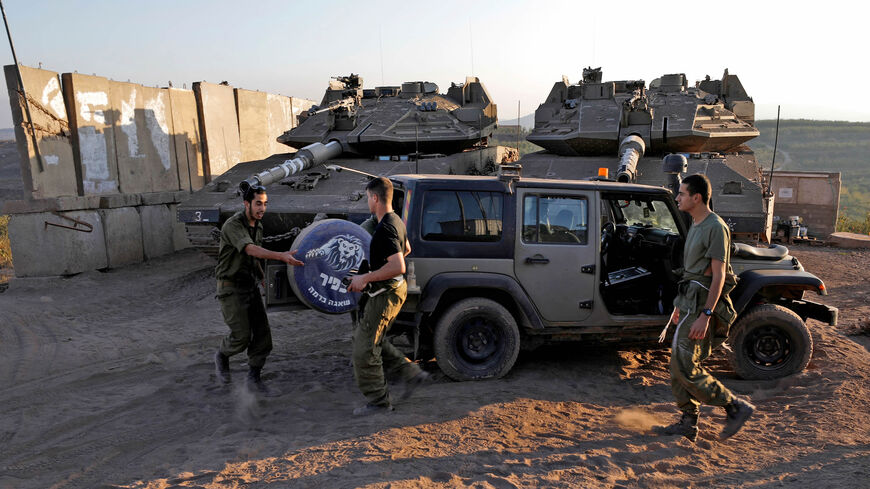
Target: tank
354, 134
629, 129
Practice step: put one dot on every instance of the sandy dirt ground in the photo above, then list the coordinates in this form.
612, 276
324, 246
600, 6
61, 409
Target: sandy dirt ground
106, 381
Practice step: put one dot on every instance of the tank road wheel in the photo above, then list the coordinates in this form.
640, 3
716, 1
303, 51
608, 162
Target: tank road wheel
476, 339
769, 342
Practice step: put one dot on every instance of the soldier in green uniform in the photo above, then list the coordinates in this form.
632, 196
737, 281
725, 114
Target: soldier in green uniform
702, 314
238, 272
372, 353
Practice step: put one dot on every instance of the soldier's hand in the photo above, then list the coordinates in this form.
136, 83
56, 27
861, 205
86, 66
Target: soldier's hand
357, 283
699, 328
290, 259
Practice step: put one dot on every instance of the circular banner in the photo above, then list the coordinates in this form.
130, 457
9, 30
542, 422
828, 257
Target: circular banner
331, 249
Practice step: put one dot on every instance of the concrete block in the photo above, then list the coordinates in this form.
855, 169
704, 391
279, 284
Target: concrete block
40, 250
220, 127
157, 230
78, 203
179, 234
156, 198
143, 148
262, 118
186, 139
29, 206
54, 173
91, 118
113, 201
61, 204
843, 240
300, 105
123, 234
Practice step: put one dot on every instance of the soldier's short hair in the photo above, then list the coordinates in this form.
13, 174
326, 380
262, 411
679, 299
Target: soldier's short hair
252, 191
382, 187
699, 184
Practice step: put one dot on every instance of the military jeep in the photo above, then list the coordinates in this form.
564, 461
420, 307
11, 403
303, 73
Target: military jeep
504, 263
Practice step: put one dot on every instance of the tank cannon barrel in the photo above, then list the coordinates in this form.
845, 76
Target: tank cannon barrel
307, 157
630, 151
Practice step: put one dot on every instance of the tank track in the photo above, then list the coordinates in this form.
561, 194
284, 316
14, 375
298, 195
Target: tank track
204, 237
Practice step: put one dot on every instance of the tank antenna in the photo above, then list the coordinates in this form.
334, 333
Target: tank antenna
471, 46
518, 127
22, 92
773, 159
381, 43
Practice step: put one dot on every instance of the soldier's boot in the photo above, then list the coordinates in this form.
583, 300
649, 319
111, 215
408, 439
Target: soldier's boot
222, 367
738, 411
686, 426
370, 408
254, 382
413, 383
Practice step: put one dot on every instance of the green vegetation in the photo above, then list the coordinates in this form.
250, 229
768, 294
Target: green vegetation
5, 251
507, 136
851, 225
830, 146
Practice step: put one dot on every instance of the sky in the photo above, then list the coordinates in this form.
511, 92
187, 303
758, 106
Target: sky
807, 57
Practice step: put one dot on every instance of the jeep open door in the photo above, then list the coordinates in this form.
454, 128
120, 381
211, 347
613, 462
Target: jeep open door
556, 251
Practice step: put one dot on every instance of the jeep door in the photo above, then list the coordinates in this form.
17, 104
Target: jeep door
556, 251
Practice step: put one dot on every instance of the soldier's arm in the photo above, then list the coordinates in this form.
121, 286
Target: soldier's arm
699, 327
395, 266
407, 247
718, 269
285, 256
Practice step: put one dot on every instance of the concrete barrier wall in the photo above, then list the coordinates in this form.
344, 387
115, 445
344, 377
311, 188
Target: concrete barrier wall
814, 196
40, 250
143, 148
88, 100
262, 118
186, 139
121, 156
219, 124
54, 173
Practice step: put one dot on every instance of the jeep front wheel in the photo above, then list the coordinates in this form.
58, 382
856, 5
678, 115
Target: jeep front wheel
769, 342
476, 339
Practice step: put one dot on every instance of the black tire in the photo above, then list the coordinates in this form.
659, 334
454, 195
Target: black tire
769, 342
476, 339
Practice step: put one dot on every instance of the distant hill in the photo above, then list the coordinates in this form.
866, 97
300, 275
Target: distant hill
807, 145
527, 121
7, 134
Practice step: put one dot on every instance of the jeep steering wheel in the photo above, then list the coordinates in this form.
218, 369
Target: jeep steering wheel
607, 232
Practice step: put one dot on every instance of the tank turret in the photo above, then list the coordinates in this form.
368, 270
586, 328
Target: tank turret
629, 128
393, 120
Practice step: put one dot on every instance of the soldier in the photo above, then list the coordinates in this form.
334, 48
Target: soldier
386, 294
238, 273
702, 314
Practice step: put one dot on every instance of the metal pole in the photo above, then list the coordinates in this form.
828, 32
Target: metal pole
773, 160
22, 92
518, 127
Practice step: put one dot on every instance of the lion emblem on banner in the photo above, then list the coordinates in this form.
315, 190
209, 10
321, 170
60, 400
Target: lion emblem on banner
342, 252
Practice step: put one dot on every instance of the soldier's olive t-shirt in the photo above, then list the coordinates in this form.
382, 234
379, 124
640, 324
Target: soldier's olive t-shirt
707, 240
233, 263
389, 238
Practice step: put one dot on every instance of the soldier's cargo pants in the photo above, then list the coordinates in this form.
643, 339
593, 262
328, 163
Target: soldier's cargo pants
372, 354
244, 313
691, 384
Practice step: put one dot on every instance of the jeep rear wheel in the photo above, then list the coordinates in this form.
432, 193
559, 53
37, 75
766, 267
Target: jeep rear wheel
476, 339
769, 342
